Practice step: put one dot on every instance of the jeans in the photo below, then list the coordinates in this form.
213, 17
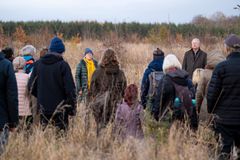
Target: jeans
3, 139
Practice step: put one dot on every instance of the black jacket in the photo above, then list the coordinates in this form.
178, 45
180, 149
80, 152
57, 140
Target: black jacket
166, 94
8, 94
192, 62
54, 84
223, 97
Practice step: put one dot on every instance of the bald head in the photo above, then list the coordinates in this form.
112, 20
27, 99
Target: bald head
195, 44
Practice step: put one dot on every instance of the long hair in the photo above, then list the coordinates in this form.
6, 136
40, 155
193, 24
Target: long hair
109, 58
131, 94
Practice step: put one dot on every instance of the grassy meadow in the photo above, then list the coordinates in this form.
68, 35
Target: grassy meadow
159, 143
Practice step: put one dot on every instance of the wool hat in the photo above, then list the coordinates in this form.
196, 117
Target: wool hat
158, 53
88, 50
19, 63
28, 50
232, 41
57, 45
171, 61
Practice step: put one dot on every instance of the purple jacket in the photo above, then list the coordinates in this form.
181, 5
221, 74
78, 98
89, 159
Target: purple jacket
128, 121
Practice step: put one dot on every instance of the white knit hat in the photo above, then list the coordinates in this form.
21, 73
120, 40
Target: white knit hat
171, 61
28, 50
19, 63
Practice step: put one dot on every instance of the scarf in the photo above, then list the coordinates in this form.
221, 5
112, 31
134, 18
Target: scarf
90, 69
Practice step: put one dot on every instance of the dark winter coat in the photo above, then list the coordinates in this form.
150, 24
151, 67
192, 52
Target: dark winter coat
155, 65
106, 90
166, 93
190, 62
81, 76
224, 91
54, 84
8, 94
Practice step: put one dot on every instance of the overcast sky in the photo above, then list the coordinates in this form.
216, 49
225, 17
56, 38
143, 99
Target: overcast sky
177, 11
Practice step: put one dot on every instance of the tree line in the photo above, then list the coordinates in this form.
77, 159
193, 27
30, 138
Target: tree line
218, 25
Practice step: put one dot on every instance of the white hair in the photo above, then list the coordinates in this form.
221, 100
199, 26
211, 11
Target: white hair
18, 63
171, 61
28, 50
196, 40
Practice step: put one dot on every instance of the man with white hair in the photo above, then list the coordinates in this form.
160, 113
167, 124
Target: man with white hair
194, 58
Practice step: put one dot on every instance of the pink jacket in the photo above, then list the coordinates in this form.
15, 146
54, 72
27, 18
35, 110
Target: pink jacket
128, 121
23, 98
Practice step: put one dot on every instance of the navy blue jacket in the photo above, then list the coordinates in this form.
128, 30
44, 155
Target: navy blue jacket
155, 65
224, 91
8, 94
54, 84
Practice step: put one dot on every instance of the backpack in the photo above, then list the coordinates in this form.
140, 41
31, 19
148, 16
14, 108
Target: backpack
182, 105
155, 79
155, 85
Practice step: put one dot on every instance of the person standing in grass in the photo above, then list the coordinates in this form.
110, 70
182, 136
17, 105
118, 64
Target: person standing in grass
106, 90
194, 58
155, 66
129, 115
84, 73
8, 101
54, 87
25, 114
223, 98
213, 58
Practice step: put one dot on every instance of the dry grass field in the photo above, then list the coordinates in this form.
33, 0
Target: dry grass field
159, 143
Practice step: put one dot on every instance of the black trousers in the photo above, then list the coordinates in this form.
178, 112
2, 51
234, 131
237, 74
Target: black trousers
59, 120
229, 136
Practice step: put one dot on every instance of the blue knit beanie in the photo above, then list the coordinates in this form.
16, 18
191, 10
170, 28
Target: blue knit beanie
57, 45
88, 50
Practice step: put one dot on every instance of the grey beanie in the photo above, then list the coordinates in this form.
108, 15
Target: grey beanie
232, 41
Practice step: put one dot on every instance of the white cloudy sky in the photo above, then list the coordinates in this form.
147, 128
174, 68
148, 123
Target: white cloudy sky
178, 11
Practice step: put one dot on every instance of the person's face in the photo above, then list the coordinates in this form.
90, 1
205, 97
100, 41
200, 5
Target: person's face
89, 56
195, 44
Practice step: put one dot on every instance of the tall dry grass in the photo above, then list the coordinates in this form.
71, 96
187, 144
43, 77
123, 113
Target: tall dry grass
159, 143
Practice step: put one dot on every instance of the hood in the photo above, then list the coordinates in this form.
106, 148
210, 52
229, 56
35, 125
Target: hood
156, 65
28, 57
51, 58
1, 56
111, 69
179, 76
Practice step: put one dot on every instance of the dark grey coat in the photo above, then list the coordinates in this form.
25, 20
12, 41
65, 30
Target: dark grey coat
191, 62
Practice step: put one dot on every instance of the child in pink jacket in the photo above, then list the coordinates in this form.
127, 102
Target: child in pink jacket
22, 78
129, 115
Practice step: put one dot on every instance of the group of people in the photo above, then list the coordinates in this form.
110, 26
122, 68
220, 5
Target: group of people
46, 88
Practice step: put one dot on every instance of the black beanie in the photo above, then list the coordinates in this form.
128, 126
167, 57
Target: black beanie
158, 53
